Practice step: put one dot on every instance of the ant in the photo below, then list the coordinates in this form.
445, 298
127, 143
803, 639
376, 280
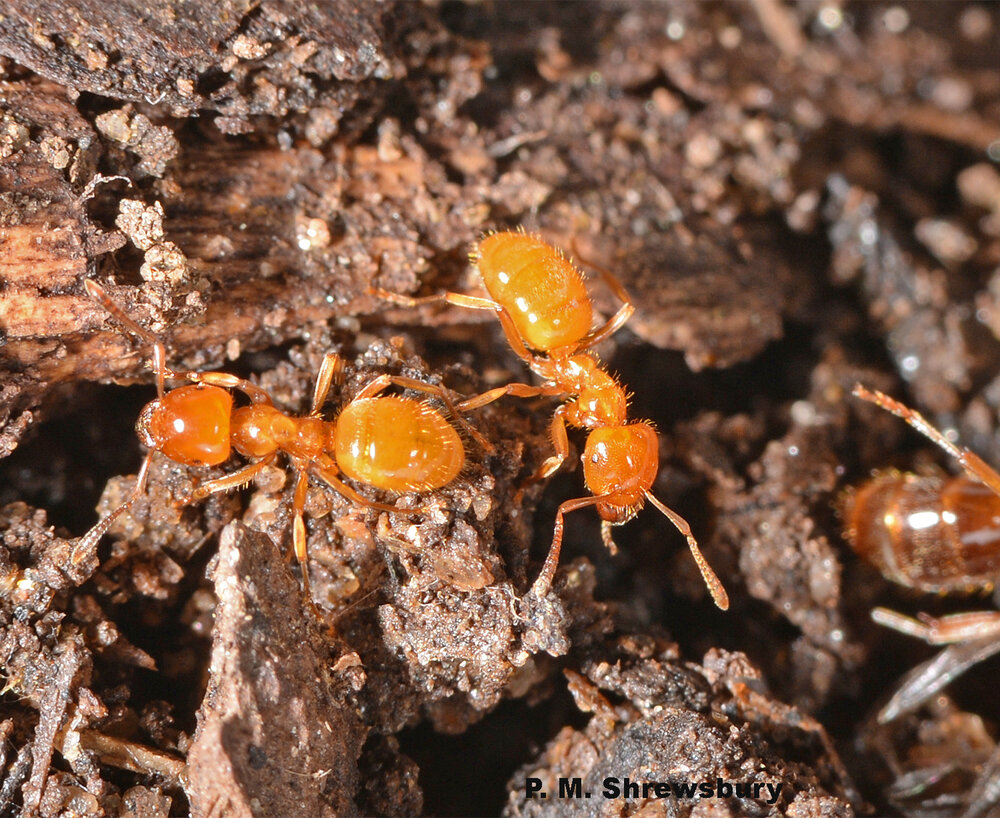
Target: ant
931, 534
388, 442
544, 307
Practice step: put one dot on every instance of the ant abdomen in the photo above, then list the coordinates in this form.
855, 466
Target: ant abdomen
397, 444
541, 289
932, 534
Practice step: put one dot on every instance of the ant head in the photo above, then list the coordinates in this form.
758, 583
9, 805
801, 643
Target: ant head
190, 424
621, 462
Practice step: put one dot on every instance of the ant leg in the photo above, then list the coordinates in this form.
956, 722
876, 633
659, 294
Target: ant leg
441, 393
326, 471
95, 290
715, 587
382, 381
972, 464
244, 476
944, 631
542, 585
927, 679
471, 302
373, 388
518, 390
228, 482
560, 442
226, 381
602, 333
618, 320
299, 543
332, 367
514, 339
89, 540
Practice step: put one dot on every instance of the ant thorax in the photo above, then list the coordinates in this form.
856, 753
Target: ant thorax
600, 400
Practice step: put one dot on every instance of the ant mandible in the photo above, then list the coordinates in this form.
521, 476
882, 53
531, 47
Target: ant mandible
389, 442
542, 303
931, 534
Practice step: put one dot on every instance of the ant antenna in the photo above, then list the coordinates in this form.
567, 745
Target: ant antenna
95, 290
715, 587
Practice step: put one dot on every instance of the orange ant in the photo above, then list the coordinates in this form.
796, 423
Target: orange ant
542, 303
392, 443
931, 534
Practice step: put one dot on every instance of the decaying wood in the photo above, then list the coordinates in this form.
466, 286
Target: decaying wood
237, 58
279, 730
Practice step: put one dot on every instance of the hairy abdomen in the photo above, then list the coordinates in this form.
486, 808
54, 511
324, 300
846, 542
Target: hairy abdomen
928, 533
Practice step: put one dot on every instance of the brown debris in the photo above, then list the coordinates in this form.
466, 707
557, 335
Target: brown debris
140, 802
45, 225
390, 780
699, 296
657, 719
279, 730
52, 706
909, 301
242, 59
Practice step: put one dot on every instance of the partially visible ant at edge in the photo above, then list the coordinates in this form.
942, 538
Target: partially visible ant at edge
544, 308
932, 534
392, 443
